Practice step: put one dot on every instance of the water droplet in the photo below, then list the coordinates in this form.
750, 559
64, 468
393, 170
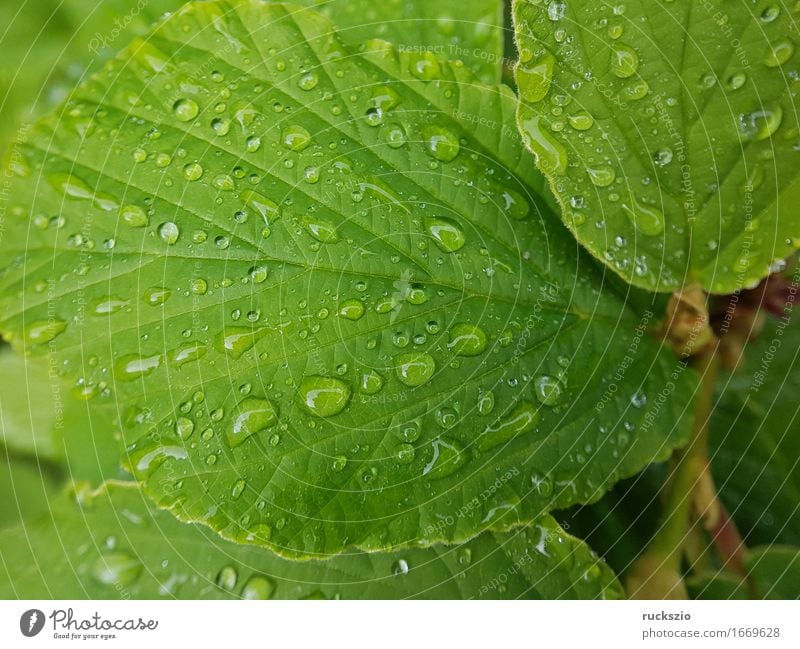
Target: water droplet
145, 460
227, 578
351, 309
761, 124
415, 368
624, 60
238, 489
116, 569
169, 233
322, 230
550, 154
134, 216
770, 13
447, 234
448, 457
185, 110
295, 137
308, 81
262, 205
324, 396
467, 340
156, 296
425, 66
188, 353
663, 157
736, 80
639, 399
43, 331
404, 453
581, 121
339, 463
601, 176
522, 419
441, 143
534, 79
108, 306
370, 382
547, 389
486, 403
132, 366
779, 53
258, 587
647, 219
235, 341
400, 567
252, 416
221, 126
193, 171
184, 427
395, 135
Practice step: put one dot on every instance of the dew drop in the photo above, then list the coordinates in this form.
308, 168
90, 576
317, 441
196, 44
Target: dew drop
415, 368
324, 396
467, 340
252, 416
446, 233
441, 143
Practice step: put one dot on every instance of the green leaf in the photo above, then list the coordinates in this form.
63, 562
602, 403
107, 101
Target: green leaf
472, 32
113, 544
755, 437
775, 572
716, 586
49, 45
27, 487
40, 419
322, 292
30, 404
668, 132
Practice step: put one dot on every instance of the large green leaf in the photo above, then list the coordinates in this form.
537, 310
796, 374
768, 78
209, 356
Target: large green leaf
26, 486
42, 421
47, 45
755, 435
321, 292
669, 132
113, 544
471, 32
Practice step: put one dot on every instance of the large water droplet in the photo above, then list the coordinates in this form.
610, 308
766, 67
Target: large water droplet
441, 143
235, 341
467, 340
448, 457
779, 53
601, 176
43, 331
351, 309
647, 219
295, 137
262, 205
624, 60
534, 79
252, 416
550, 154
547, 389
324, 396
322, 230
169, 233
415, 368
370, 382
134, 216
447, 234
227, 578
522, 419
258, 587
185, 110
133, 366
116, 569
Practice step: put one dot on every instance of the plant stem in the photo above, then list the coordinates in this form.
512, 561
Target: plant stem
691, 464
663, 554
